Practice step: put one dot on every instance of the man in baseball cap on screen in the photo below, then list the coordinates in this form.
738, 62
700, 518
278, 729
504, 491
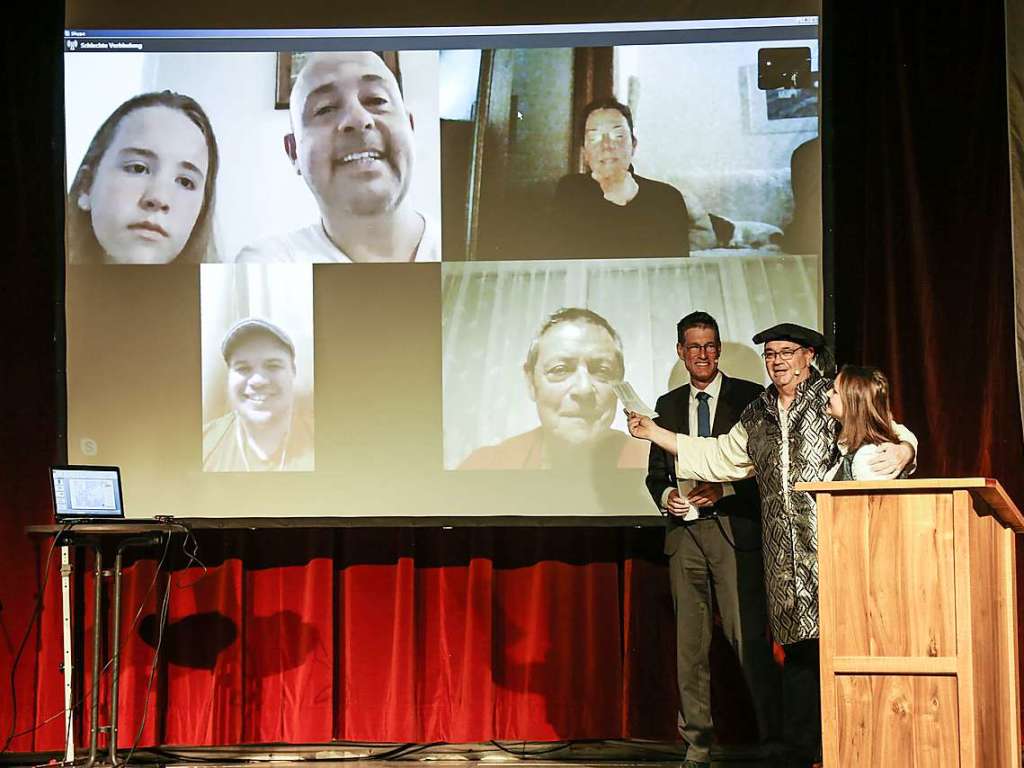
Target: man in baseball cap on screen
262, 432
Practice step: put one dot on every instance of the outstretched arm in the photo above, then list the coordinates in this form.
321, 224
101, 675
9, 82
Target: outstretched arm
711, 459
645, 428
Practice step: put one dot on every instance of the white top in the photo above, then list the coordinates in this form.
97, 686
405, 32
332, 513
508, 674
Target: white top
311, 245
861, 463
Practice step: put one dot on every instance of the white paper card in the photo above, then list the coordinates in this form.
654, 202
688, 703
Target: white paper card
631, 400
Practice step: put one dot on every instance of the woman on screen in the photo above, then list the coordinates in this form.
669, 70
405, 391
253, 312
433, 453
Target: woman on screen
859, 401
145, 189
612, 212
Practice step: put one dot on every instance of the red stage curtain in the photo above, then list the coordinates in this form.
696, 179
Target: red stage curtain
399, 635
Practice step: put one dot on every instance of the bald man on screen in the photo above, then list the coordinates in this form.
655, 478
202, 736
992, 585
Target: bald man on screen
352, 142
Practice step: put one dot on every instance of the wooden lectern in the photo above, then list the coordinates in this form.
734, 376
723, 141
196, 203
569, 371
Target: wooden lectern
918, 612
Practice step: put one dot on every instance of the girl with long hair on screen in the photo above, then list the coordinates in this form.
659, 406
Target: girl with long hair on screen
859, 401
144, 192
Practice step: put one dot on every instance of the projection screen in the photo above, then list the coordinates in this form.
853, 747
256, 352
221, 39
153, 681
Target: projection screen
374, 273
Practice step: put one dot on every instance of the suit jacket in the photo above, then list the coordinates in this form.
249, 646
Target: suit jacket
674, 413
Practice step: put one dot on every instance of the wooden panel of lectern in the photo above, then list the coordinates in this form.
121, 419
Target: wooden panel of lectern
918, 612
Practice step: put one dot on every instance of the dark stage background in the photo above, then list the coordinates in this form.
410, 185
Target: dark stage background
527, 633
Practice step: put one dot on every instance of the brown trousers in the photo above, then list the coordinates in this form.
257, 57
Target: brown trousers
702, 560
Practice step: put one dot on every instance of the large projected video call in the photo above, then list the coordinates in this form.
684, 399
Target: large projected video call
351, 277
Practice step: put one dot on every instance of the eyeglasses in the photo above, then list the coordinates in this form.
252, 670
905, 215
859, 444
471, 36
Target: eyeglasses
615, 135
710, 349
769, 355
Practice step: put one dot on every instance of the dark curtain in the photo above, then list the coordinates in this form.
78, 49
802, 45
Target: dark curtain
921, 215
1015, 110
922, 227
30, 205
531, 633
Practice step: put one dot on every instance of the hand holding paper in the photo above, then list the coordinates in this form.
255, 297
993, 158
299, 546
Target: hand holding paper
631, 400
688, 511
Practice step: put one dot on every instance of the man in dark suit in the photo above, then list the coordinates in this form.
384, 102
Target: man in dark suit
713, 540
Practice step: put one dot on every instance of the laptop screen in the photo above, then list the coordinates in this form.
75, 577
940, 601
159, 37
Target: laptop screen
81, 492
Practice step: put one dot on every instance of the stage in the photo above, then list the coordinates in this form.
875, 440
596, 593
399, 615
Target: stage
598, 754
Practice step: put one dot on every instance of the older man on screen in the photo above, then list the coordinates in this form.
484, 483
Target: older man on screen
570, 370
785, 436
352, 143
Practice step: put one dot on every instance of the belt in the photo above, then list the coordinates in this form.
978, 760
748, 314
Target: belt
703, 513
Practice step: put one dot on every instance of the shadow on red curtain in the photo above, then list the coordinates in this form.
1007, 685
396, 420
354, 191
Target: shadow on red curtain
398, 635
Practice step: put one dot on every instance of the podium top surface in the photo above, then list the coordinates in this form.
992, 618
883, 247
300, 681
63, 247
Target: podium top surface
986, 488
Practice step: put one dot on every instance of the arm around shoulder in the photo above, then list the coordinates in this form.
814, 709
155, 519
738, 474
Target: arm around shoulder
862, 468
909, 440
891, 460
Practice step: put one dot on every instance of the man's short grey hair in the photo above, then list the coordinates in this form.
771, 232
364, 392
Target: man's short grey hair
573, 315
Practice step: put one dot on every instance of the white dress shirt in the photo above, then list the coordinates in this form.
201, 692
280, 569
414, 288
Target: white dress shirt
713, 390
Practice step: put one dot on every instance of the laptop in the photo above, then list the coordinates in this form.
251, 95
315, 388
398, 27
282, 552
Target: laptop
86, 493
